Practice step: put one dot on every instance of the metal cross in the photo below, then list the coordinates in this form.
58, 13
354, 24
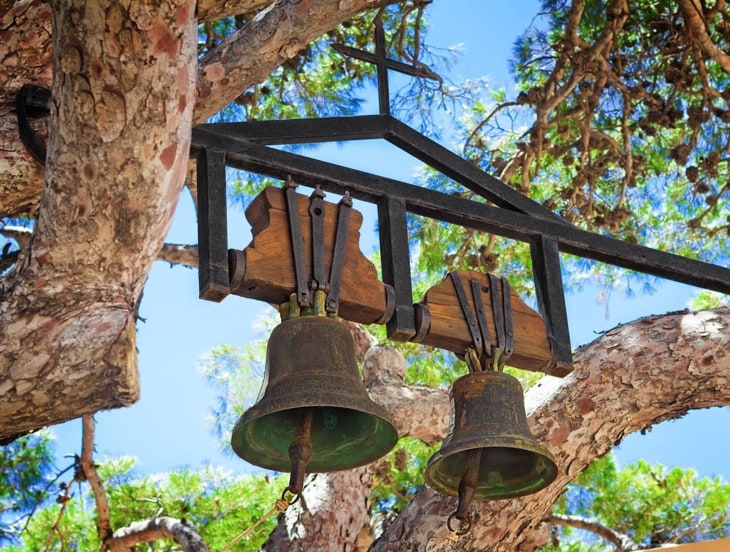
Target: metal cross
383, 63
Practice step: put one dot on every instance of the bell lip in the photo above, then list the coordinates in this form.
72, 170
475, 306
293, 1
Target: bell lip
550, 474
389, 441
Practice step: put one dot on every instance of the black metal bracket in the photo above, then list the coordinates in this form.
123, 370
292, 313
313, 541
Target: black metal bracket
31, 102
510, 214
319, 281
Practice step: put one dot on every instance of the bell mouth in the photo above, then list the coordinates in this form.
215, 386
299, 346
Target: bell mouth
341, 438
504, 471
488, 415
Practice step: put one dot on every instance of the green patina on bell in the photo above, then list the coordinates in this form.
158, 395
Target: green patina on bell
312, 393
489, 444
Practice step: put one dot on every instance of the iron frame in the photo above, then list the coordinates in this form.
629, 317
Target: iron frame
246, 146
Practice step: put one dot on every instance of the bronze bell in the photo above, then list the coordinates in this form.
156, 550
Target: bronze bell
489, 452
312, 394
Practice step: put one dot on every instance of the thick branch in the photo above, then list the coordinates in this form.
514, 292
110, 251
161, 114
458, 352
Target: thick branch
417, 411
181, 531
634, 376
212, 10
695, 21
623, 543
276, 35
186, 255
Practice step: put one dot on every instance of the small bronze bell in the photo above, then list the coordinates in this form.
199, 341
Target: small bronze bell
489, 452
312, 394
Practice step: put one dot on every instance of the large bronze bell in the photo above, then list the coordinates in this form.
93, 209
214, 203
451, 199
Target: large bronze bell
312, 394
489, 452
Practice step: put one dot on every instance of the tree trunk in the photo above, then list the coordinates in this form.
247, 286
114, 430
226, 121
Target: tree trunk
117, 155
25, 58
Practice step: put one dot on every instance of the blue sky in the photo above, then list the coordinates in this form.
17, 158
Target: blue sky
167, 428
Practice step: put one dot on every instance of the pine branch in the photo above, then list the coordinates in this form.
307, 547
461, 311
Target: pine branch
88, 469
622, 542
186, 255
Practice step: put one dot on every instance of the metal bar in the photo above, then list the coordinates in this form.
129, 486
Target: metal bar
498, 311
476, 291
393, 64
213, 278
338, 253
300, 131
471, 319
396, 265
463, 172
469, 214
305, 131
509, 333
316, 214
551, 302
382, 65
297, 244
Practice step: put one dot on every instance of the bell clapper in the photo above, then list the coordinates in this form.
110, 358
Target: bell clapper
300, 452
467, 489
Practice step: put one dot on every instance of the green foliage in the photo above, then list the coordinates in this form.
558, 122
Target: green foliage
399, 474
26, 466
627, 138
706, 300
650, 503
218, 504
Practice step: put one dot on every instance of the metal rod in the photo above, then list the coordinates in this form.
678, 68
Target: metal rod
551, 302
396, 266
476, 292
316, 214
469, 317
304, 299
338, 253
382, 65
300, 451
304, 131
213, 279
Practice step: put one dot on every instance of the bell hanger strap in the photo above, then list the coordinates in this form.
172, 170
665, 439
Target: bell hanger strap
297, 244
484, 354
309, 292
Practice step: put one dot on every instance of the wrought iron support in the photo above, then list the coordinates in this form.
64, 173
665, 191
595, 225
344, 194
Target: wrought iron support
551, 302
212, 225
396, 265
469, 214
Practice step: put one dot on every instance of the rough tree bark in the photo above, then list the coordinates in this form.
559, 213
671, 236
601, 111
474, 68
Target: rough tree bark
120, 132
632, 377
123, 97
277, 33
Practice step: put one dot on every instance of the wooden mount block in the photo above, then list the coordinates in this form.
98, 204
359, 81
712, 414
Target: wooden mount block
441, 323
264, 270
